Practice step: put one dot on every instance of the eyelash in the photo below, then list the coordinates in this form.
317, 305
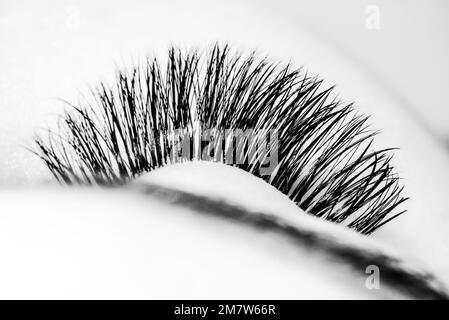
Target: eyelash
326, 165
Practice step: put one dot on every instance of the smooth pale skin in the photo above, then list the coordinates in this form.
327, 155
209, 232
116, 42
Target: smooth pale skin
53, 49
96, 243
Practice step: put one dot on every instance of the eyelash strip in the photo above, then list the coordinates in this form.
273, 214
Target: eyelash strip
326, 162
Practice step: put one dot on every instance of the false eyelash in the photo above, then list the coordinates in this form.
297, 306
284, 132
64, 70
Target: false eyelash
326, 162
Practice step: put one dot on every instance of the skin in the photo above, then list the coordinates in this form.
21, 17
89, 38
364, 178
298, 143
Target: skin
139, 242
53, 53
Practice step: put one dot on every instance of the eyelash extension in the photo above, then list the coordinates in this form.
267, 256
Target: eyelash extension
326, 162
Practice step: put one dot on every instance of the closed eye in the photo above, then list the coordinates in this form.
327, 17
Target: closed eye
50, 49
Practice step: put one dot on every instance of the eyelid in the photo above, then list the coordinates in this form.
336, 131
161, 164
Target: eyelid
189, 186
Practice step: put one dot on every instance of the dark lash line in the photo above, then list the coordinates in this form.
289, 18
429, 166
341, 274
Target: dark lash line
326, 163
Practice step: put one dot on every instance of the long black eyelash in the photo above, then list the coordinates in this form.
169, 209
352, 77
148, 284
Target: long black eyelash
327, 165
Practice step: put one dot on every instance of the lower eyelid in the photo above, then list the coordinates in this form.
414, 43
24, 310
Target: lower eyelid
164, 231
